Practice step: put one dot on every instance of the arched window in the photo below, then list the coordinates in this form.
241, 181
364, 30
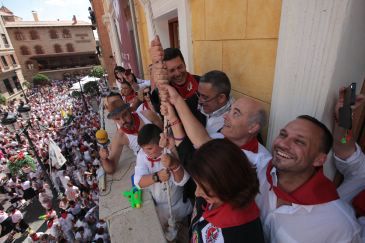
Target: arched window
66, 33
70, 47
57, 48
38, 49
53, 34
24, 50
19, 35
29, 65
34, 35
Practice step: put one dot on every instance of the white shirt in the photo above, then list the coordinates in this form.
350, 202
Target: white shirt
16, 216
353, 170
159, 192
262, 157
132, 138
3, 216
215, 120
328, 222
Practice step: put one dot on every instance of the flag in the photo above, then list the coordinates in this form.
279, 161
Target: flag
56, 158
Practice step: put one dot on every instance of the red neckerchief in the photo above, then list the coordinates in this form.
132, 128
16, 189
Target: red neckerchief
64, 215
129, 98
359, 204
136, 123
145, 106
318, 189
252, 146
50, 223
35, 237
153, 161
225, 216
189, 88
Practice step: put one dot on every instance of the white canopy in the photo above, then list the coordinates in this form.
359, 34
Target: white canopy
83, 81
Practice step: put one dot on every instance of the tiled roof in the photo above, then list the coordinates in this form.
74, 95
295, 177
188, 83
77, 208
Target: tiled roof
45, 23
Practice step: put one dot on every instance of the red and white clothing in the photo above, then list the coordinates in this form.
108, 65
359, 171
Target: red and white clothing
256, 153
225, 224
330, 220
132, 136
72, 193
159, 192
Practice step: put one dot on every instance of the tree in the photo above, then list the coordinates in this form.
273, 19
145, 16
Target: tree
27, 85
76, 94
2, 100
41, 80
97, 71
91, 88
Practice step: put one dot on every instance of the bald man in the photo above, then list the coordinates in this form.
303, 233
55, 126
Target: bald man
241, 125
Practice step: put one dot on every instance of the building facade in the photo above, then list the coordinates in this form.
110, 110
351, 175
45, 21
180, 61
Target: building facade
11, 77
57, 49
106, 54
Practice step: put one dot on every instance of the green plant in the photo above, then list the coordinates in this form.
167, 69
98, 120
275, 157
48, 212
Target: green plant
2, 100
17, 163
91, 88
41, 80
76, 94
97, 71
27, 85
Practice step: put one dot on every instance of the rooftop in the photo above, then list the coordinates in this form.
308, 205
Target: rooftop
18, 24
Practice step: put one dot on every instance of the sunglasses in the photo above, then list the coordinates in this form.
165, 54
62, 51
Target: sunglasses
128, 71
146, 93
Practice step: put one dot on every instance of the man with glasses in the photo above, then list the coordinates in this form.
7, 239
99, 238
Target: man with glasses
214, 99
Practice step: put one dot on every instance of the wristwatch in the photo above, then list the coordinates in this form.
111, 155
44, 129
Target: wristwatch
155, 177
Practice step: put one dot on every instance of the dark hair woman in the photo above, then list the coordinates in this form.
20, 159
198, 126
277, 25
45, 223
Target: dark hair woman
225, 208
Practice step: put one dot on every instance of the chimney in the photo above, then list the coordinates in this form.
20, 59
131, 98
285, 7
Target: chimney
74, 20
35, 16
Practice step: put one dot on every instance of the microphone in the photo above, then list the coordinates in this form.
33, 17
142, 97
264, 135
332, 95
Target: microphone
102, 138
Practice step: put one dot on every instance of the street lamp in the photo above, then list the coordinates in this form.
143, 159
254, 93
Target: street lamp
10, 122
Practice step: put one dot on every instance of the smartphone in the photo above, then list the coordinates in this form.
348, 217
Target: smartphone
345, 112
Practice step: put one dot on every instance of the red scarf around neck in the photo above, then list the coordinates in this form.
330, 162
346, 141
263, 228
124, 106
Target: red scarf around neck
318, 189
153, 161
189, 88
225, 216
146, 106
129, 98
252, 146
136, 123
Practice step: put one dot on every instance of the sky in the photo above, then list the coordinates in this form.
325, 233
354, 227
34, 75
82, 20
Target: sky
49, 9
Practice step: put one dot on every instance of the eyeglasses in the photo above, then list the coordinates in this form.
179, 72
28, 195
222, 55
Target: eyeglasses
146, 93
204, 99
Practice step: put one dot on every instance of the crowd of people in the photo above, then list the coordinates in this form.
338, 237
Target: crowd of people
215, 161
68, 192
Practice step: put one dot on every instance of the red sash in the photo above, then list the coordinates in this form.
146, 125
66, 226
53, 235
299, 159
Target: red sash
252, 146
189, 88
318, 189
136, 123
225, 216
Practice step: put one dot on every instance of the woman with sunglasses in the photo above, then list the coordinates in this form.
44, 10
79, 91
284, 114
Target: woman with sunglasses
145, 97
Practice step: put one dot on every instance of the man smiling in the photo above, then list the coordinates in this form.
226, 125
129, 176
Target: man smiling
297, 202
